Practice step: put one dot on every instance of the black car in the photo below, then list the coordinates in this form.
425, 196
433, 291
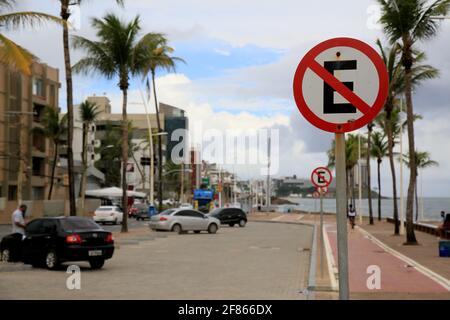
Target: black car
50, 241
230, 216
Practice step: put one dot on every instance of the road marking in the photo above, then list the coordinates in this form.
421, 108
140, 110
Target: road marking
427, 272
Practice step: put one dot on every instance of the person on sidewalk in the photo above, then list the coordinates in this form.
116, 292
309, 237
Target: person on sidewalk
351, 215
18, 220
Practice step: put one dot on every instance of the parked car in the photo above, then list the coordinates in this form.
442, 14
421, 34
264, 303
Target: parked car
138, 211
183, 220
186, 206
50, 241
230, 216
111, 214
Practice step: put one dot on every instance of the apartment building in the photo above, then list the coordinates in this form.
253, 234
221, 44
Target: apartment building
26, 155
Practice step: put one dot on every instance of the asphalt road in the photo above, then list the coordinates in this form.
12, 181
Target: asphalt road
260, 261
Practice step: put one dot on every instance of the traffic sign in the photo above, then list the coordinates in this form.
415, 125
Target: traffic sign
341, 85
321, 177
322, 190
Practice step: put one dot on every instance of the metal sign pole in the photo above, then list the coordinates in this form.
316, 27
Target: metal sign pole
341, 216
321, 233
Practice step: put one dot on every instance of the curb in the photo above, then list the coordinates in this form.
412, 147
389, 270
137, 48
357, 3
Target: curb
427, 272
332, 269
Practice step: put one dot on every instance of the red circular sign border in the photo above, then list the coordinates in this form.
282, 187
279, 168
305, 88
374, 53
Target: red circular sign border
382, 91
326, 169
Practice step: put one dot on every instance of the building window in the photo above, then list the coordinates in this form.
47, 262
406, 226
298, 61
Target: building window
38, 193
38, 166
38, 87
12, 193
92, 156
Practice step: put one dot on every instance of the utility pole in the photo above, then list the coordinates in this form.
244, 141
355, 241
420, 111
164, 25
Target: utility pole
152, 161
268, 200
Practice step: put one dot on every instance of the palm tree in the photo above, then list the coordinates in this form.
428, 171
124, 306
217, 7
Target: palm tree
410, 21
10, 52
53, 127
88, 114
391, 59
378, 151
351, 156
117, 54
423, 161
158, 56
65, 15
110, 152
389, 119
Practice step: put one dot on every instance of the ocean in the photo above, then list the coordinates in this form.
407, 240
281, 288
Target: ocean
432, 207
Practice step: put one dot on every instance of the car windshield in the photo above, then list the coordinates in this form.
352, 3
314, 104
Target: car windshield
78, 224
105, 209
167, 212
215, 212
139, 206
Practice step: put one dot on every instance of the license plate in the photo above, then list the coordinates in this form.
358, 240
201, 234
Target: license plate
95, 253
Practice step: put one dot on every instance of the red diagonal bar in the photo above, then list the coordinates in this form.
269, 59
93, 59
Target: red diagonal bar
337, 85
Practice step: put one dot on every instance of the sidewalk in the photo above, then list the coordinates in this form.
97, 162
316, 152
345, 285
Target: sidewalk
399, 280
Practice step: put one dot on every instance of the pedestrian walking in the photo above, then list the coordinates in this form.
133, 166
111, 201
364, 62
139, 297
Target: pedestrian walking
351, 215
18, 220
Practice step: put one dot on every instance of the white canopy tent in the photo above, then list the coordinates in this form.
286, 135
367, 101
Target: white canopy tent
113, 192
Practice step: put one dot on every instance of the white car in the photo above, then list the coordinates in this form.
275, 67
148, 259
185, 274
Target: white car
186, 206
111, 214
184, 220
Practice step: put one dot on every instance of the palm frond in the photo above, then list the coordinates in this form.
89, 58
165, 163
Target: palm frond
14, 55
27, 19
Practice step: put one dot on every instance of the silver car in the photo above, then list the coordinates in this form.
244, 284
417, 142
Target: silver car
183, 220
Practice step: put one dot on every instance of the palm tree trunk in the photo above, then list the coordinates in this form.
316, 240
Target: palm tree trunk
369, 191
65, 14
124, 161
417, 202
52, 178
82, 189
407, 62
392, 165
379, 189
160, 164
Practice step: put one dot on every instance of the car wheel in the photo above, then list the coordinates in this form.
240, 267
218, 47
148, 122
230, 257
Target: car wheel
6, 255
115, 222
96, 263
177, 228
242, 223
51, 260
197, 231
231, 224
212, 228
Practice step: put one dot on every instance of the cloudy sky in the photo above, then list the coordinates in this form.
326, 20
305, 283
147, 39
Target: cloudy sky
241, 57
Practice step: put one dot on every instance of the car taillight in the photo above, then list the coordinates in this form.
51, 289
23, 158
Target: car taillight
163, 219
109, 238
73, 239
